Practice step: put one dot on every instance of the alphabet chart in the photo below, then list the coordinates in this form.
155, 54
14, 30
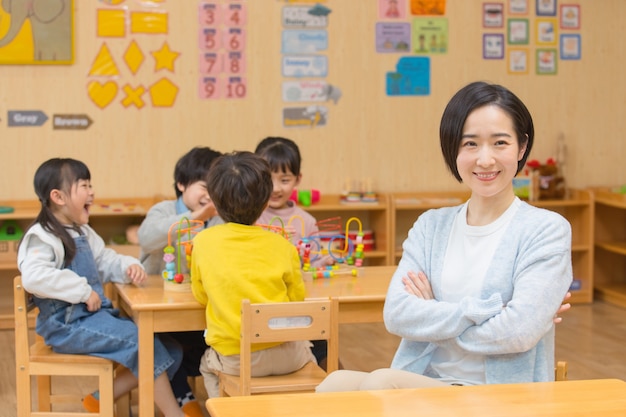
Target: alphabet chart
222, 43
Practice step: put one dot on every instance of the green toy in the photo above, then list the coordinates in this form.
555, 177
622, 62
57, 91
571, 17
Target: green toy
10, 230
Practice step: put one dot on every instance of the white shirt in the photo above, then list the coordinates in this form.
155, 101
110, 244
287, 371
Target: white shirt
468, 255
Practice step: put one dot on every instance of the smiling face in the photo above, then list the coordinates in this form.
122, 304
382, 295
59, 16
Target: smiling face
284, 183
489, 153
195, 195
72, 208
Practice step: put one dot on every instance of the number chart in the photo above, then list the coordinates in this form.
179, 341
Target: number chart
222, 44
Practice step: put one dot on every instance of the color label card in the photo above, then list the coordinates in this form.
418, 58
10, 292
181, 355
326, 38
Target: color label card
305, 66
310, 116
299, 17
305, 91
393, 37
304, 41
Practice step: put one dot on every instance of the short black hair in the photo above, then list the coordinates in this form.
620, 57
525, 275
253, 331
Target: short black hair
471, 97
240, 185
282, 154
193, 166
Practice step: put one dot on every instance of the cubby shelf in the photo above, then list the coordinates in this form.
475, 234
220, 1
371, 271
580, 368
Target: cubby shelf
389, 219
374, 217
610, 244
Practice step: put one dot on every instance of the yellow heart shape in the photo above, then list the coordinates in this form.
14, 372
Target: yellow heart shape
102, 94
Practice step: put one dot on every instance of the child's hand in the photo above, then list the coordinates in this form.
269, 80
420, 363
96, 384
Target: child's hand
93, 302
137, 274
205, 212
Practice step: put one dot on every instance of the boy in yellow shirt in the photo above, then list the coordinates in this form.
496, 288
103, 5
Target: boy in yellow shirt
238, 260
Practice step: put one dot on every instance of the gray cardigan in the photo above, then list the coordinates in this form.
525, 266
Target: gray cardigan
154, 230
511, 323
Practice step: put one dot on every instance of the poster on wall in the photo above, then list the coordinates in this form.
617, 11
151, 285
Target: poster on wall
430, 35
412, 77
133, 47
42, 35
222, 38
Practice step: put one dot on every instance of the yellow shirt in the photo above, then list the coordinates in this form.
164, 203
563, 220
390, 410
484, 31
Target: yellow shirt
231, 262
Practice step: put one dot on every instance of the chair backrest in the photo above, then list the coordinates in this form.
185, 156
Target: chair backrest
287, 322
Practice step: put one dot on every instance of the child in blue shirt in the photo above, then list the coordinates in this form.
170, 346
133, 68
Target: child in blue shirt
194, 203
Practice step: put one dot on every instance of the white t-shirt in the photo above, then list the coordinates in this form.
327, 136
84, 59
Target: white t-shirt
468, 256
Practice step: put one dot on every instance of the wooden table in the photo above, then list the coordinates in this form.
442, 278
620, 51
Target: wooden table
155, 310
589, 398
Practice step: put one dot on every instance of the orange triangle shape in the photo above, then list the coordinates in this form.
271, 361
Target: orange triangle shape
104, 63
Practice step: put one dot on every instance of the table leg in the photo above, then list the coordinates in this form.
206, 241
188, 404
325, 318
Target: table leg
145, 324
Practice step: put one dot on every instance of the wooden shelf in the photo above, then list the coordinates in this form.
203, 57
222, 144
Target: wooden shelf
373, 216
390, 218
610, 244
614, 294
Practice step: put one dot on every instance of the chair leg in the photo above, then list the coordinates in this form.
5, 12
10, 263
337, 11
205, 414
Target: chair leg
122, 406
23, 390
44, 391
105, 383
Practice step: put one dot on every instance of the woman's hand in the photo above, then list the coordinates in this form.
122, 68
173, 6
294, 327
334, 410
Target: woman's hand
564, 307
418, 285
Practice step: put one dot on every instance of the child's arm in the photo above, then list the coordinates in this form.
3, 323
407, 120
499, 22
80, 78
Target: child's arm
153, 232
112, 266
40, 261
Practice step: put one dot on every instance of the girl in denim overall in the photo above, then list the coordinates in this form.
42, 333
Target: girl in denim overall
64, 264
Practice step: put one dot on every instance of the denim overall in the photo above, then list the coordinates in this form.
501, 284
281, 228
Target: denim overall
70, 328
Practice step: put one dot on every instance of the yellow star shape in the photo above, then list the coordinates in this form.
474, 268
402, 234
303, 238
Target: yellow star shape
164, 58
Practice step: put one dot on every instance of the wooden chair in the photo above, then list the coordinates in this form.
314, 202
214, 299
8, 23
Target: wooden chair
259, 324
560, 371
35, 358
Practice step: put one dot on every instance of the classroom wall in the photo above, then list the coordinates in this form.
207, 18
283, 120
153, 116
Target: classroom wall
391, 140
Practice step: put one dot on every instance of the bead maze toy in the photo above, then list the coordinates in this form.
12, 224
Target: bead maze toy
173, 276
346, 252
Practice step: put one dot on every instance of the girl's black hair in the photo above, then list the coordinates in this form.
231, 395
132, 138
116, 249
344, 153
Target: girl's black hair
282, 154
58, 174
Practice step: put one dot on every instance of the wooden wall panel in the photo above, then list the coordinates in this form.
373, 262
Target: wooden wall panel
393, 141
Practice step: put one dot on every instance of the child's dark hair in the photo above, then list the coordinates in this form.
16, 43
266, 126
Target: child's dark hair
240, 185
282, 154
58, 174
193, 166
